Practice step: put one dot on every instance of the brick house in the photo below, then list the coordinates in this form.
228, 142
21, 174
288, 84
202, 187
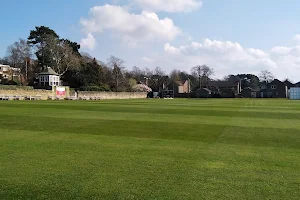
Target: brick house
180, 87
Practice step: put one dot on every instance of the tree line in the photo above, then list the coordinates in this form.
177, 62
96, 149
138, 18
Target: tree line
45, 48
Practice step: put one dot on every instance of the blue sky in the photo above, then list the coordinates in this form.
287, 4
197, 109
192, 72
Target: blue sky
233, 36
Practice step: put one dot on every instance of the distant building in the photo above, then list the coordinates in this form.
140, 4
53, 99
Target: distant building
248, 92
180, 87
49, 78
226, 89
274, 89
203, 93
9, 73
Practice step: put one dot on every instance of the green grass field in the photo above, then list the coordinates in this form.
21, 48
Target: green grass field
150, 149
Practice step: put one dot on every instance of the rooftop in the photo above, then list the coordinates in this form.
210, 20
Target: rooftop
48, 71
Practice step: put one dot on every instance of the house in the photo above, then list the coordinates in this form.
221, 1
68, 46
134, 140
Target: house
48, 78
203, 93
9, 73
274, 89
248, 92
183, 87
226, 89
179, 87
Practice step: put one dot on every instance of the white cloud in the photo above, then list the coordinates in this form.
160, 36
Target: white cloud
231, 58
130, 27
297, 38
169, 5
280, 50
257, 52
170, 49
226, 57
146, 59
88, 42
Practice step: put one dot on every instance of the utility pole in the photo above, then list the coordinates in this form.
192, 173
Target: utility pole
26, 68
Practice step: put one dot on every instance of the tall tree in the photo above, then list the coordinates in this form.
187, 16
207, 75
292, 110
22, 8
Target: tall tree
74, 45
158, 79
203, 73
248, 80
38, 39
4, 61
61, 55
13, 55
175, 75
137, 74
117, 67
19, 55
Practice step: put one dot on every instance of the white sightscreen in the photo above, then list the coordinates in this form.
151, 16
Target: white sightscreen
295, 93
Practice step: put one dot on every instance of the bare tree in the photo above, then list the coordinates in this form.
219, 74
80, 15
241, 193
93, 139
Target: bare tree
175, 75
19, 55
203, 73
266, 76
117, 70
13, 55
148, 72
137, 74
158, 80
61, 54
4, 61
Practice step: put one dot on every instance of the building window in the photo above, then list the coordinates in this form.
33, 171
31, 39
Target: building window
273, 87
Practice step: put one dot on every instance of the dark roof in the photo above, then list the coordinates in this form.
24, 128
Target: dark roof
208, 90
180, 83
48, 71
288, 83
248, 88
276, 80
297, 83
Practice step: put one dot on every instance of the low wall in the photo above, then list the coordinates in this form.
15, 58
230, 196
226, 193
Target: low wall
44, 94
113, 95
